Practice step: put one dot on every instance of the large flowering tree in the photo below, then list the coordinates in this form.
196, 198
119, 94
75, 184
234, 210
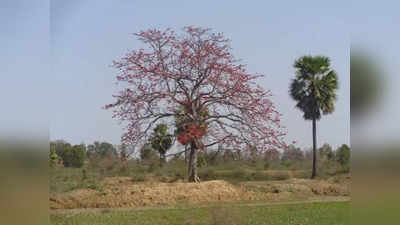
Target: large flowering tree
192, 82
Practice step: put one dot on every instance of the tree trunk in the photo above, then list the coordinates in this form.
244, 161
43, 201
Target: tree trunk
186, 155
192, 166
314, 166
162, 159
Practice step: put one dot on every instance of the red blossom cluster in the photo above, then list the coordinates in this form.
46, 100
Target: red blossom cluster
193, 132
197, 72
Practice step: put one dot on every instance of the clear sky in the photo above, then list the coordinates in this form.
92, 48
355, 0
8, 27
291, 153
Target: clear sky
86, 35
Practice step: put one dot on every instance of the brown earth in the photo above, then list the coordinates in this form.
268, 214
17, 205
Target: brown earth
121, 192
290, 173
297, 188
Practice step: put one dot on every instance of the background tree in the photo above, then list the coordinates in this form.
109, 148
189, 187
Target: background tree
314, 89
326, 152
101, 150
125, 151
53, 157
161, 141
74, 156
292, 154
147, 152
196, 73
343, 156
71, 156
59, 146
272, 155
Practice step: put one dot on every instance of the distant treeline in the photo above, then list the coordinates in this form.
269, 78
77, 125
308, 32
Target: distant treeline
64, 154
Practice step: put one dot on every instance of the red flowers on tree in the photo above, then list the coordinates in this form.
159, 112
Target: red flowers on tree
219, 100
192, 133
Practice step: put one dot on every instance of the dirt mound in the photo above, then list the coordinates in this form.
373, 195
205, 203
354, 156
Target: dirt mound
300, 187
121, 192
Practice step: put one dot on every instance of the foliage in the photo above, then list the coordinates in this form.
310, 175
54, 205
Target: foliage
147, 152
314, 87
161, 140
292, 154
74, 156
326, 152
101, 150
343, 156
54, 159
70, 156
125, 151
186, 130
201, 161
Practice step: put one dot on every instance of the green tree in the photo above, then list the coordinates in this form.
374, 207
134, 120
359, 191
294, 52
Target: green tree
74, 156
326, 152
314, 90
101, 150
54, 158
147, 152
343, 156
161, 141
59, 146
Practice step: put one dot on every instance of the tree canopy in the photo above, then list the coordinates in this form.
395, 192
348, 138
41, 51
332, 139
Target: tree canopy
193, 75
314, 87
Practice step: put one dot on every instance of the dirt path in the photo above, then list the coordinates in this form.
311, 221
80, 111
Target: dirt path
239, 204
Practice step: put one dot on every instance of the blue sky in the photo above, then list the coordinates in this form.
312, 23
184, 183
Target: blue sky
85, 36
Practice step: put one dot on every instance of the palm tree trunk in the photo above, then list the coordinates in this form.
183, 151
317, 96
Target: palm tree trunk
314, 166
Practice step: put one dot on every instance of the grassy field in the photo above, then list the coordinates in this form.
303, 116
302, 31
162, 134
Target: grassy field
324, 213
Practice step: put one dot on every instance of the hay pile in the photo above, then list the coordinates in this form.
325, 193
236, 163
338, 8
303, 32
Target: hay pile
122, 193
282, 190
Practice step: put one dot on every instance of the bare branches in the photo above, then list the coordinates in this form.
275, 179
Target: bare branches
195, 72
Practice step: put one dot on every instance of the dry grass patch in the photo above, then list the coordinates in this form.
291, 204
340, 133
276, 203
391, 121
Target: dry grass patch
299, 188
122, 192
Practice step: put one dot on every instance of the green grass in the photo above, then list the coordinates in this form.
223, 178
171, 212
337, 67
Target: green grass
328, 213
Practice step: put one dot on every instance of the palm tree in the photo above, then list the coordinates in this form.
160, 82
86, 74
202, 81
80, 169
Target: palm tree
161, 141
314, 89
